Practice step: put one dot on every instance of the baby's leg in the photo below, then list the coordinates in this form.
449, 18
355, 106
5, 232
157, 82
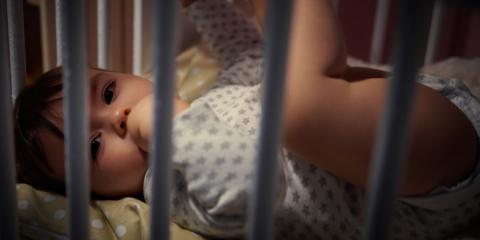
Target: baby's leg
317, 45
332, 123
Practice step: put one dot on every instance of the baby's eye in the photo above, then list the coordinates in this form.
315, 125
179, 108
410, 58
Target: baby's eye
95, 146
109, 92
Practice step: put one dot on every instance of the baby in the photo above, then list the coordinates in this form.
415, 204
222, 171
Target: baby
331, 114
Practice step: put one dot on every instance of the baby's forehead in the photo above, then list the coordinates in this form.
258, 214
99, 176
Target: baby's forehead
96, 74
54, 111
55, 102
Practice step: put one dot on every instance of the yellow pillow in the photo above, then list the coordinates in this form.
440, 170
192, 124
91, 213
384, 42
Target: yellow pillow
196, 71
44, 215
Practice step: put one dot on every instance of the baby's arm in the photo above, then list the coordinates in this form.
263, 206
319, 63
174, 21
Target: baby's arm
233, 39
317, 43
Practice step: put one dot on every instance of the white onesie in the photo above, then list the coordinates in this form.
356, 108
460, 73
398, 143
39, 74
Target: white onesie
215, 144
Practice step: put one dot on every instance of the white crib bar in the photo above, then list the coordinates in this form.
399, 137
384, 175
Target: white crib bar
16, 39
103, 32
390, 147
76, 103
58, 31
8, 217
434, 34
378, 38
262, 200
164, 17
137, 37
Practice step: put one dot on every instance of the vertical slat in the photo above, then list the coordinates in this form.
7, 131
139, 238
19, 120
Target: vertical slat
137, 37
378, 39
390, 148
16, 39
103, 32
46, 25
58, 31
336, 4
434, 34
261, 208
164, 17
76, 103
8, 218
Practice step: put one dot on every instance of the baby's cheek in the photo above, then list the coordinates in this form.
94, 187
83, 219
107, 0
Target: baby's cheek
126, 156
122, 169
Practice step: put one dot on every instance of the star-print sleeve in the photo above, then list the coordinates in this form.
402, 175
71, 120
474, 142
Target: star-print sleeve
233, 38
213, 166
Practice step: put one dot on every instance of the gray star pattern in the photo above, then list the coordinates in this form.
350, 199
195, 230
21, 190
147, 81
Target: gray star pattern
217, 147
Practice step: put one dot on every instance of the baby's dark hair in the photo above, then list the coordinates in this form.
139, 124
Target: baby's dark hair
30, 108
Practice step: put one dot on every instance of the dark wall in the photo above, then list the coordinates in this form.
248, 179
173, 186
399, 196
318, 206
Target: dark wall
460, 34
33, 48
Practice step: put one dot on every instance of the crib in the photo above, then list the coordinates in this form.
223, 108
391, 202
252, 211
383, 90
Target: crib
412, 38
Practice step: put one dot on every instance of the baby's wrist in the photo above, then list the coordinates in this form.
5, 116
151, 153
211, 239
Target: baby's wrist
143, 139
135, 132
139, 122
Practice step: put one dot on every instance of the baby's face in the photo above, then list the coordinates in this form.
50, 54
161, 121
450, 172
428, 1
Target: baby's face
117, 163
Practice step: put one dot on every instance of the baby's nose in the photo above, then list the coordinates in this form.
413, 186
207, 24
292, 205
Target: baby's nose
120, 121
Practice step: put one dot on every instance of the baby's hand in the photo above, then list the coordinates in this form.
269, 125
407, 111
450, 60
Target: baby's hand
139, 123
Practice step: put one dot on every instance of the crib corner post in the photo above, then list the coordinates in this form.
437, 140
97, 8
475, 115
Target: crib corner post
8, 217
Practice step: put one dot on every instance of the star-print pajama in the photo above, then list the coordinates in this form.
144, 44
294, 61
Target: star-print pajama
215, 142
